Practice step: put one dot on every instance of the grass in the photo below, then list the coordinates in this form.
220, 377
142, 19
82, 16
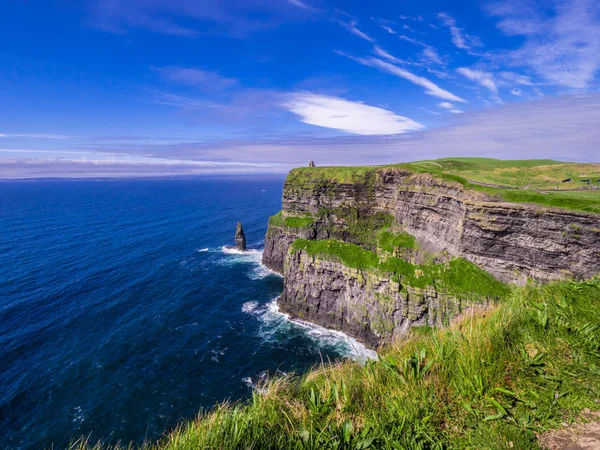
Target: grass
390, 242
544, 174
538, 174
490, 381
279, 220
458, 277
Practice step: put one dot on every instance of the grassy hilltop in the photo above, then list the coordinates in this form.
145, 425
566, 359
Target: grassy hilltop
521, 181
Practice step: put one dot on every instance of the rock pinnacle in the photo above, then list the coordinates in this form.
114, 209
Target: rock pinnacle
240, 237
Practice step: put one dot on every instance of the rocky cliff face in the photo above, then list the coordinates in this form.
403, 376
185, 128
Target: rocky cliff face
514, 242
371, 307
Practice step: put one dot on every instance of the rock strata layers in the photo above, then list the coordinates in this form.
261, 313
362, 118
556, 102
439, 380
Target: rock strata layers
513, 242
371, 307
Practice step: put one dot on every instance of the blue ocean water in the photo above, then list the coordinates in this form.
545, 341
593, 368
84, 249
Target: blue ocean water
121, 313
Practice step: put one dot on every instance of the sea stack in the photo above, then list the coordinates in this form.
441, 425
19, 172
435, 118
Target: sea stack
240, 238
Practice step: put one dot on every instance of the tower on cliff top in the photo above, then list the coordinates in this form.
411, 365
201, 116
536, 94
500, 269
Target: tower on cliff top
240, 238
311, 164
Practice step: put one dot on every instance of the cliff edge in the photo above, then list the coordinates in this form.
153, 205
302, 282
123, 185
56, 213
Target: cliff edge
372, 251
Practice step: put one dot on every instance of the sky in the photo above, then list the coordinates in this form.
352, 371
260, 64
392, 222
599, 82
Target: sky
92, 88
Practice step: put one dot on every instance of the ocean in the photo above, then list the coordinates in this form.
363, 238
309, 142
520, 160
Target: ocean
122, 313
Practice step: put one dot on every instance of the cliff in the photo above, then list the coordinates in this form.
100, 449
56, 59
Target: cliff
427, 219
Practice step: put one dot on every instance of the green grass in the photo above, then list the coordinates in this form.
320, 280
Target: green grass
291, 222
490, 381
539, 174
458, 277
342, 174
545, 174
390, 242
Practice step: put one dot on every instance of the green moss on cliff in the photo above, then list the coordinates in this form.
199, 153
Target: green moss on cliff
391, 242
278, 220
357, 225
457, 277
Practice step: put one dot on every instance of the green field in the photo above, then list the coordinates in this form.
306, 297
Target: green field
538, 174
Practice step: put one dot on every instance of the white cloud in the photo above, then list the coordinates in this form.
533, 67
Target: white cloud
561, 43
388, 29
485, 79
351, 27
413, 41
164, 98
516, 91
430, 87
431, 54
301, 4
382, 53
515, 78
344, 115
460, 39
562, 128
450, 107
196, 77
35, 136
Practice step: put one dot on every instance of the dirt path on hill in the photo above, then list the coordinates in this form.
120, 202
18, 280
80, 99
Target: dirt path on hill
579, 436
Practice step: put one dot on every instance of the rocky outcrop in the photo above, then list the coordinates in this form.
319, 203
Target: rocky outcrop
514, 242
368, 306
240, 238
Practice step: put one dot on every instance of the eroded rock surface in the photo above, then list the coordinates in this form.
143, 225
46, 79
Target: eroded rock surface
513, 242
368, 306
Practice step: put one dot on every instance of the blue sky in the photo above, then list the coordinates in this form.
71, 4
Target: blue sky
143, 87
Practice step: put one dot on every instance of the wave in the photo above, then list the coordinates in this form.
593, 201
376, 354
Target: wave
277, 325
250, 307
203, 250
250, 256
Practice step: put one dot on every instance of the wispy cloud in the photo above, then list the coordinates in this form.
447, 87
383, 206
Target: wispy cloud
485, 79
432, 55
190, 18
388, 29
302, 5
413, 18
429, 52
196, 77
450, 107
180, 101
430, 87
35, 136
351, 27
460, 39
515, 78
344, 115
562, 39
384, 54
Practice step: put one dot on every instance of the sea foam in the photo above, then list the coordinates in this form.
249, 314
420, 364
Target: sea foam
251, 256
276, 325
